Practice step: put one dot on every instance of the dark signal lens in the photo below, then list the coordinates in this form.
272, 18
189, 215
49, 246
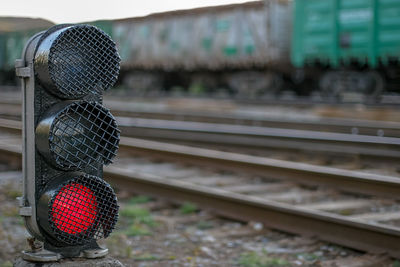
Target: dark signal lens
74, 209
77, 136
84, 134
73, 61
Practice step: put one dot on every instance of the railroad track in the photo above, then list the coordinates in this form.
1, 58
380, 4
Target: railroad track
386, 100
239, 137
10, 108
335, 125
349, 208
253, 137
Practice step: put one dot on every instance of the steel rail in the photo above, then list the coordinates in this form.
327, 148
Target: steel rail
11, 108
11, 125
344, 180
385, 148
376, 238
350, 126
378, 148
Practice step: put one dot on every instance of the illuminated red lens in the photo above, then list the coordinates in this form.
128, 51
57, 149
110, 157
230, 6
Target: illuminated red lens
74, 209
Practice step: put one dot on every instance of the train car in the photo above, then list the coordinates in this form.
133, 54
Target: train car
243, 48
348, 45
252, 49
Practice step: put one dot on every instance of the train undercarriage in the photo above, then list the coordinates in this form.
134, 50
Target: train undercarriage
333, 85
356, 85
230, 83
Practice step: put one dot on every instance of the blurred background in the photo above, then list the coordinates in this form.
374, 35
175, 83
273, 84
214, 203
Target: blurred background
307, 87
275, 49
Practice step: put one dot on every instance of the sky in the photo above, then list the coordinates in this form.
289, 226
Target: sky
71, 11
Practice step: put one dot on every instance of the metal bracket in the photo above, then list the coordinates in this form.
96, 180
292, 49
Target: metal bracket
24, 72
25, 211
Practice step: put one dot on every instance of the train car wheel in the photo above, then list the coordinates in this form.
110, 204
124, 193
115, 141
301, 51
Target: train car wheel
376, 86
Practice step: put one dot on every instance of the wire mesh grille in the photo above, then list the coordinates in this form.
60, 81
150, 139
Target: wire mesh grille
83, 59
84, 134
83, 209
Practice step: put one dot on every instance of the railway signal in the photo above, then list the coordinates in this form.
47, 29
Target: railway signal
67, 138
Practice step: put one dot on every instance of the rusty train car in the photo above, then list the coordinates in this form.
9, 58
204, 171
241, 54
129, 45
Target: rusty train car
240, 48
254, 49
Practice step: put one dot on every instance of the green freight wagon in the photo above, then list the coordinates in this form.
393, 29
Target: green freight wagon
105, 25
2, 50
357, 42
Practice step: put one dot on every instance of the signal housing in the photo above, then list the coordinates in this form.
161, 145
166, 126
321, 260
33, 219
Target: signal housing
67, 138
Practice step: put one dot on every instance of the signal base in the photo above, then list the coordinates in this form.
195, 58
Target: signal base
47, 253
43, 255
71, 262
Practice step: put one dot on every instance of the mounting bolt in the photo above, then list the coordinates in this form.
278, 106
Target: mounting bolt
34, 244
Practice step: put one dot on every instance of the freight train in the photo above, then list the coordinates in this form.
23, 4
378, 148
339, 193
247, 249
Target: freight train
348, 45
256, 49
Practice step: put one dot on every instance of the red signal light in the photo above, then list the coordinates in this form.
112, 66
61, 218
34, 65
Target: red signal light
74, 209
77, 208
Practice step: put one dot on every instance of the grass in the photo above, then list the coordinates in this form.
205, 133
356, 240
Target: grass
139, 200
6, 264
254, 259
134, 212
188, 208
138, 230
137, 221
138, 215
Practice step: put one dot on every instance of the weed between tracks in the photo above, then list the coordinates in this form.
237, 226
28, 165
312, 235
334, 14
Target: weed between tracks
136, 220
188, 208
254, 259
157, 233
